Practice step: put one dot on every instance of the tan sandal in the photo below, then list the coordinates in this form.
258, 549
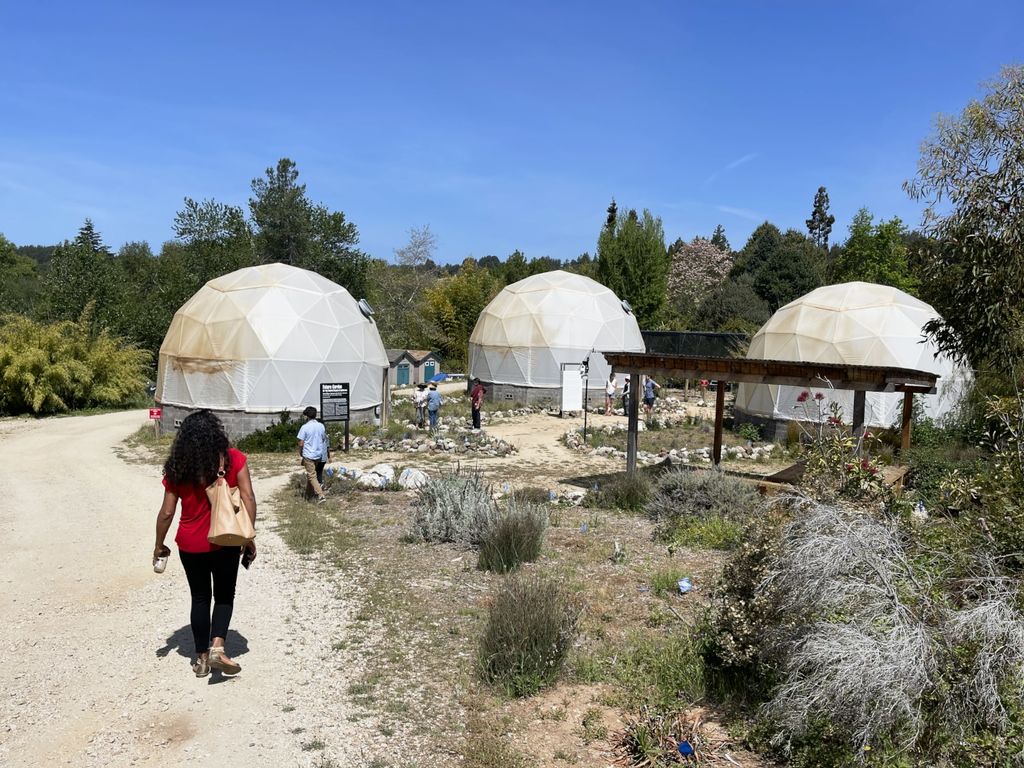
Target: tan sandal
218, 662
201, 667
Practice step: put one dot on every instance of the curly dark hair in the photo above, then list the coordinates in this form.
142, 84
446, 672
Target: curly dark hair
197, 450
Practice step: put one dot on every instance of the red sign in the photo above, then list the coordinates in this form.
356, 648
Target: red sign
154, 413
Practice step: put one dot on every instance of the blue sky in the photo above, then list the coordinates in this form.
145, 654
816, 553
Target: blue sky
501, 126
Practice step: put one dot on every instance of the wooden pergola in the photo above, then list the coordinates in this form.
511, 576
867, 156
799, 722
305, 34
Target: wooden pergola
858, 378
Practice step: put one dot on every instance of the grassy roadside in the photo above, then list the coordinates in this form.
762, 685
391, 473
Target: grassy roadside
422, 608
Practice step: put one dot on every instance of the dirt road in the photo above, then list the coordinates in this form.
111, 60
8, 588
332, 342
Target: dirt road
94, 668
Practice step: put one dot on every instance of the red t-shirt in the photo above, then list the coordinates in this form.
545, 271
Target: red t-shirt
194, 525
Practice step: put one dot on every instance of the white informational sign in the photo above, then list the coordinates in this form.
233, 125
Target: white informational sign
572, 389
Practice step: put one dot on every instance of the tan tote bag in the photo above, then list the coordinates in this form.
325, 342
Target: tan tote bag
230, 524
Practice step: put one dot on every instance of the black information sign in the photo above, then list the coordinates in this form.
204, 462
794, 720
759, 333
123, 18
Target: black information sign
334, 402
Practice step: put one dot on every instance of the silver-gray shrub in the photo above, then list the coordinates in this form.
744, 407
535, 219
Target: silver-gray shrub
866, 642
681, 495
992, 633
852, 646
454, 507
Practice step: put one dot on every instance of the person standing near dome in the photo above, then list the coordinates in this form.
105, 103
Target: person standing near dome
610, 390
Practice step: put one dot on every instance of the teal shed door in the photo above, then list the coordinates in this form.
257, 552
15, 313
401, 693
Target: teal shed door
428, 370
403, 374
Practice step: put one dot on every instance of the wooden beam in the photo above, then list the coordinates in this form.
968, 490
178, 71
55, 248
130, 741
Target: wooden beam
633, 412
908, 413
719, 411
858, 415
783, 372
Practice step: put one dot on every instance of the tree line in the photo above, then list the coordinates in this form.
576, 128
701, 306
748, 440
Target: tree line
700, 283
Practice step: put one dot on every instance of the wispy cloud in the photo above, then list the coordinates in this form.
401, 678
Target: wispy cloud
743, 213
734, 164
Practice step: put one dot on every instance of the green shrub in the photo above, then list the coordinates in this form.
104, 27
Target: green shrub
277, 438
929, 465
454, 507
709, 533
515, 537
66, 366
749, 431
623, 492
531, 495
742, 616
666, 582
530, 628
700, 504
664, 672
396, 430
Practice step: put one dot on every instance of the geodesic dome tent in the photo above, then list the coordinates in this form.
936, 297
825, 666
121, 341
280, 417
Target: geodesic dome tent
262, 339
533, 326
857, 324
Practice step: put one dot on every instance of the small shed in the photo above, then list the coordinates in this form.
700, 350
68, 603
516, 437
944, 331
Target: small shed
412, 366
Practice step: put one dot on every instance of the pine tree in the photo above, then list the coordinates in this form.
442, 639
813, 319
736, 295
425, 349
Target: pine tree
79, 274
719, 240
613, 216
820, 224
632, 262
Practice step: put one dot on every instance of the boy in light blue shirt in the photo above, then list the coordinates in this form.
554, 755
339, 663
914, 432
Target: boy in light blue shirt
313, 451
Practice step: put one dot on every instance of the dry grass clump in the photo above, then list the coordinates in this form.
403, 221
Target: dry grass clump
454, 507
624, 492
530, 628
514, 537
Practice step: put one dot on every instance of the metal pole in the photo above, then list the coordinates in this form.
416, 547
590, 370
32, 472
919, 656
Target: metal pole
633, 412
586, 391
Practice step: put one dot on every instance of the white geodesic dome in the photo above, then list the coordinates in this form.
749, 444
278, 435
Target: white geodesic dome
262, 340
858, 324
533, 326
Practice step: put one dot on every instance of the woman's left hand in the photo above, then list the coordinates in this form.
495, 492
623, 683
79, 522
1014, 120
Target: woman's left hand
250, 547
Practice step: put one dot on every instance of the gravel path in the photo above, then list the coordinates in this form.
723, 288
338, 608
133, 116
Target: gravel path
96, 647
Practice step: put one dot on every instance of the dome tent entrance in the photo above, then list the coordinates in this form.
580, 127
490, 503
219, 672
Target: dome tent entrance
535, 325
857, 324
261, 340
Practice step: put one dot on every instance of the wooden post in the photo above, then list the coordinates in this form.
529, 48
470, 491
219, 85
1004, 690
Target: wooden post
859, 399
633, 412
908, 412
716, 453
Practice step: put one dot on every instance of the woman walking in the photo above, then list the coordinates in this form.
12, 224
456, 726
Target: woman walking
199, 454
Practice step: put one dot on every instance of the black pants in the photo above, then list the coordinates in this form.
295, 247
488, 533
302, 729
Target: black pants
220, 567
476, 418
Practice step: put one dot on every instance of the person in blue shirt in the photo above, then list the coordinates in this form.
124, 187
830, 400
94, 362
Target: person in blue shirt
313, 451
433, 404
649, 385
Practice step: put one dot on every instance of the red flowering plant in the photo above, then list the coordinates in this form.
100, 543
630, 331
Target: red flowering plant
837, 462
